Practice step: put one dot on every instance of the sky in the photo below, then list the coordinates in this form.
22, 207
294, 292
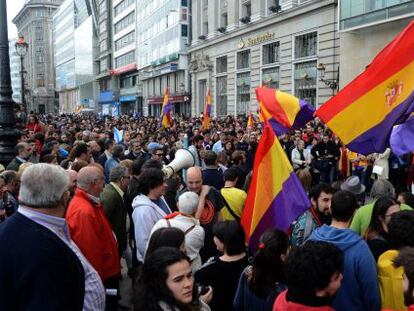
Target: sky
13, 7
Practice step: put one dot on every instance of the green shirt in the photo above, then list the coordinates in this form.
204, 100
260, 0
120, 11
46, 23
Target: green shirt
362, 217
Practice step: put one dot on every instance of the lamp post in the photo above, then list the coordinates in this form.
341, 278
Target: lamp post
332, 83
8, 133
21, 50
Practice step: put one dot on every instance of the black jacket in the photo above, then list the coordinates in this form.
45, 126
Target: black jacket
38, 271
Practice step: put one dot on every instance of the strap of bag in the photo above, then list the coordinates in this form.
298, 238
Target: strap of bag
189, 229
229, 209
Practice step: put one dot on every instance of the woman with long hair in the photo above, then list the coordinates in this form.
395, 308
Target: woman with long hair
222, 273
377, 232
260, 283
166, 284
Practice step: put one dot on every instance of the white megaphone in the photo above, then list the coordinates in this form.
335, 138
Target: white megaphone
183, 159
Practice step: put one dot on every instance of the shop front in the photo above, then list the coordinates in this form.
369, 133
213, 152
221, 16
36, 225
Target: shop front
181, 105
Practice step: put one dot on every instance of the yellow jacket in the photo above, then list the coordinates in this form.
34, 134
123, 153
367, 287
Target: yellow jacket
390, 282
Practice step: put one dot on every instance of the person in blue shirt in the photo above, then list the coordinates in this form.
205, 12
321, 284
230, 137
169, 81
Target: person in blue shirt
359, 290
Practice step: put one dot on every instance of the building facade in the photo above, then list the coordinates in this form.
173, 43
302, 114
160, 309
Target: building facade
124, 68
239, 45
73, 38
35, 23
163, 35
15, 72
365, 28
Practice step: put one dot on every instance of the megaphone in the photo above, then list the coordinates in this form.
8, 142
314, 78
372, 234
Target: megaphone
183, 159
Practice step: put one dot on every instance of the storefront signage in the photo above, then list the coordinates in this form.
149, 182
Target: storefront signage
127, 68
173, 99
256, 40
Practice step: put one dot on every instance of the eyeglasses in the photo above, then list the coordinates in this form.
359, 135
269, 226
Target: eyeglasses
159, 154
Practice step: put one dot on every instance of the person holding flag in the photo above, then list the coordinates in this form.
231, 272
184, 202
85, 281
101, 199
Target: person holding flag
165, 119
207, 111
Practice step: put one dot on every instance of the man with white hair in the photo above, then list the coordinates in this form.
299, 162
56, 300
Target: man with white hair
41, 268
92, 232
185, 220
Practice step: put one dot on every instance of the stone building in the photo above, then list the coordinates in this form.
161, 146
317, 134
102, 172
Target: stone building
239, 45
35, 23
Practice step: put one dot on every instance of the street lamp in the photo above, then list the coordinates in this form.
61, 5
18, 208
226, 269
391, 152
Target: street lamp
332, 83
8, 133
21, 50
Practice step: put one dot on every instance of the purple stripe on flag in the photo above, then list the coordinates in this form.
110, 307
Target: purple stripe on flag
376, 139
285, 208
402, 138
278, 128
304, 115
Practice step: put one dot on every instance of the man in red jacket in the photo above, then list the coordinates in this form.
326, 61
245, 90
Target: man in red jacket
313, 276
92, 232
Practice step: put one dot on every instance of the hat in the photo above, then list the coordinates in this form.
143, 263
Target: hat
353, 184
154, 145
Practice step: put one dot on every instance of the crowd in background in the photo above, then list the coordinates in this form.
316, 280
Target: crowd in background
106, 197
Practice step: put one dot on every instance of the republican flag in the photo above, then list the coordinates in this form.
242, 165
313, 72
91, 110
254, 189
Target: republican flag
275, 197
207, 111
363, 114
166, 108
402, 137
283, 111
250, 123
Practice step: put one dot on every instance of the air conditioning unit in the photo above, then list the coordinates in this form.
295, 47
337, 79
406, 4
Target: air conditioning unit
221, 29
245, 19
275, 8
202, 37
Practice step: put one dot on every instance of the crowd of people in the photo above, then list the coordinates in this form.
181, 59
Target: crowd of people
77, 199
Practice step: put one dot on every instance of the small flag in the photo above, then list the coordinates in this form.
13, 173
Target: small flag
207, 111
117, 135
275, 197
363, 113
250, 123
283, 111
166, 109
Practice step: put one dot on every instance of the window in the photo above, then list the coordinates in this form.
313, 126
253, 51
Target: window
243, 59
243, 93
125, 22
221, 100
39, 33
122, 6
184, 30
221, 64
205, 27
40, 80
40, 58
102, 8
270, 77
270, 53
103, 66
103, 46
125, 41
247, 9
125, 59
306, 45
224, 20
127, 82
184, 2
305, 81
102, 27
